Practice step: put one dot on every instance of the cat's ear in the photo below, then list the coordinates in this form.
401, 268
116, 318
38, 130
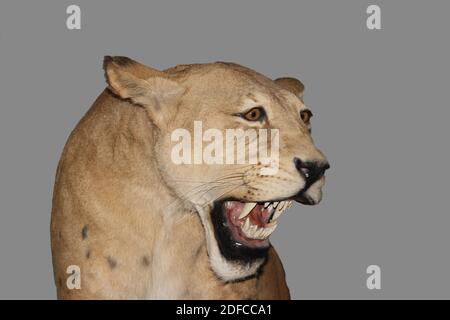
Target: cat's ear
142, 85
291, 84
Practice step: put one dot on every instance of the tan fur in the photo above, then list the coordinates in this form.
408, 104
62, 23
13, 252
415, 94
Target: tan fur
120, 207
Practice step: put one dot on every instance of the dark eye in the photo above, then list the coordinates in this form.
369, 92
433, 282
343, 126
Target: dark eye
255, 114
306, 116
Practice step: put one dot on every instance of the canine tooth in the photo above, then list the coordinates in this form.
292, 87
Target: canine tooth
247, 208
246, 226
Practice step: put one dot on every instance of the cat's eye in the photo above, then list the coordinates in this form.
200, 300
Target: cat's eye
255, 114
306, 115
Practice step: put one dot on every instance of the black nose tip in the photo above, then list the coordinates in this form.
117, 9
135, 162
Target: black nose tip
311, 170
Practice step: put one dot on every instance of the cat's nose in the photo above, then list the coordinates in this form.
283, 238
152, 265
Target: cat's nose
311, 171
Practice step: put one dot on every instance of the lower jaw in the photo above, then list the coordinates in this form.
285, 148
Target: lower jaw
239, 237
232, 243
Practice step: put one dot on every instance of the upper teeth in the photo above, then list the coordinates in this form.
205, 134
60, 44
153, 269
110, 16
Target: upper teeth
279, 207
279, 210
247, 208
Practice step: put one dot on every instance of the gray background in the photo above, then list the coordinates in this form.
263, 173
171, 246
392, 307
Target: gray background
381, 104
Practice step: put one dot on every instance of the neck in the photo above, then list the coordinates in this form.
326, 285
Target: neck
154, 213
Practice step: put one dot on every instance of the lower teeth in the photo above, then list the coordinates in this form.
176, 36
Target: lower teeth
252, 231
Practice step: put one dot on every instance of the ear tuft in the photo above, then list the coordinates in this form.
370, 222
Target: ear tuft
291, 84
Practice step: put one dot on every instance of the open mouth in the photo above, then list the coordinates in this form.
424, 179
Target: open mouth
242, 229
252, 223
